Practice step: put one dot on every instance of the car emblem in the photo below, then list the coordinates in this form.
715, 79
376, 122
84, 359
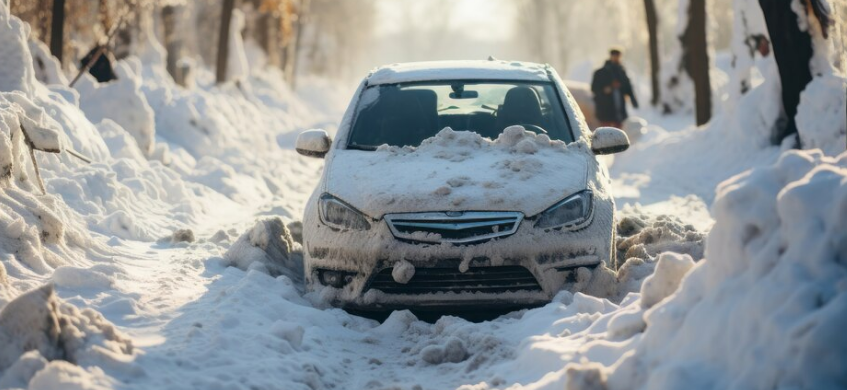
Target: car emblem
454, 213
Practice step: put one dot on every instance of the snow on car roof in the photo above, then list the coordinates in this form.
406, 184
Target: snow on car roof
453, 70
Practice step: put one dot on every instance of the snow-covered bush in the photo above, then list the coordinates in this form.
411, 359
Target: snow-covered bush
766, 308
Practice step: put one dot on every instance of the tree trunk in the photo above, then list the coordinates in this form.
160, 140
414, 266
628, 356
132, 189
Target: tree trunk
223, 41
653, 31
172, 43
695, 57
291, 56
792, 50
57, 30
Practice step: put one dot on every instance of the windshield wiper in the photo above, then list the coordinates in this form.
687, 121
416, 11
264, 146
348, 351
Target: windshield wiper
369, 148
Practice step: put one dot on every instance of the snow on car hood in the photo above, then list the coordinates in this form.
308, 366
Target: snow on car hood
461, 171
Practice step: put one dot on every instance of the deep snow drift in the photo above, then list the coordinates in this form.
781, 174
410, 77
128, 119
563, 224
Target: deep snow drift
765, 308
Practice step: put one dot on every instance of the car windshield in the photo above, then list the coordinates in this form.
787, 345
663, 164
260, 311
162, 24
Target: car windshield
407, 114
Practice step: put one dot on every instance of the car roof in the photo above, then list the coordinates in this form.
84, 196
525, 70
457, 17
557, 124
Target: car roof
458, 70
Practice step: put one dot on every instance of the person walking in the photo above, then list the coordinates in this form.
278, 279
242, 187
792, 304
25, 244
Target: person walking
610, 85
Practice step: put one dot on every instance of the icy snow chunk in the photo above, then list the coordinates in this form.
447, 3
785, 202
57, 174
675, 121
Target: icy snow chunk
670, 269
288, 331
643, 237
403, 272
453, 351
38, 320
182, 235
267, 243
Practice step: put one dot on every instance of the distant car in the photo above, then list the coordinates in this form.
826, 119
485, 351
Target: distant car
380, 233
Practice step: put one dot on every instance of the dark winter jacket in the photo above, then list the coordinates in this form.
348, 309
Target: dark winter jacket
102, 67
606, 107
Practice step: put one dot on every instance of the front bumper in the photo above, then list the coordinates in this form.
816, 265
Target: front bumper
550, 258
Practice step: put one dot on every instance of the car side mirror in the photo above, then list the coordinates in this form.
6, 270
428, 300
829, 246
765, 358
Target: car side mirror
609, 140
313, 143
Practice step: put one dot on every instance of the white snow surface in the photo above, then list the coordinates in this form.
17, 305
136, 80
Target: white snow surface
96, 292
461, 170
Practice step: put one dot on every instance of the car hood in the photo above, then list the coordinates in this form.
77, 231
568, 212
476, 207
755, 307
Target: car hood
463, 172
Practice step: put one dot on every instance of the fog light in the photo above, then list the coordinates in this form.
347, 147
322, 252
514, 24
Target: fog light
337, 279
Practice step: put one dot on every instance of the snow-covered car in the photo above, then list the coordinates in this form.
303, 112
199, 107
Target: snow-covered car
458, 184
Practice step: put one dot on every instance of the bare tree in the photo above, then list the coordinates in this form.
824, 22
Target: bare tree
695, 58
793, 51
653, 32
223, 41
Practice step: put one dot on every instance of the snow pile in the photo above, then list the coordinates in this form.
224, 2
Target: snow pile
821, 116
774, 270
638, 238
121, 101
268, 247
37, 329
462, 170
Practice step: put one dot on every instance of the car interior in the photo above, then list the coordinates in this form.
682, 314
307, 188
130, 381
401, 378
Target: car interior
405, 115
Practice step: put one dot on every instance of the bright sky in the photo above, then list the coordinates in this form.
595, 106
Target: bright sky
490, 20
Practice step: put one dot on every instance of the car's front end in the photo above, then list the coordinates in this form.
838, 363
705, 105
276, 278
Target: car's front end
470, 258
476, 218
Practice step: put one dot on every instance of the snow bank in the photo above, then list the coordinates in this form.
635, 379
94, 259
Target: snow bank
774, 272
38, 327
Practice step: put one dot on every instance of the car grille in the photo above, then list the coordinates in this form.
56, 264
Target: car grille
476, 279
458, 228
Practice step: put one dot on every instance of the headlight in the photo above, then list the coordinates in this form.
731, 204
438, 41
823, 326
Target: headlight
571, 212
340, 215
